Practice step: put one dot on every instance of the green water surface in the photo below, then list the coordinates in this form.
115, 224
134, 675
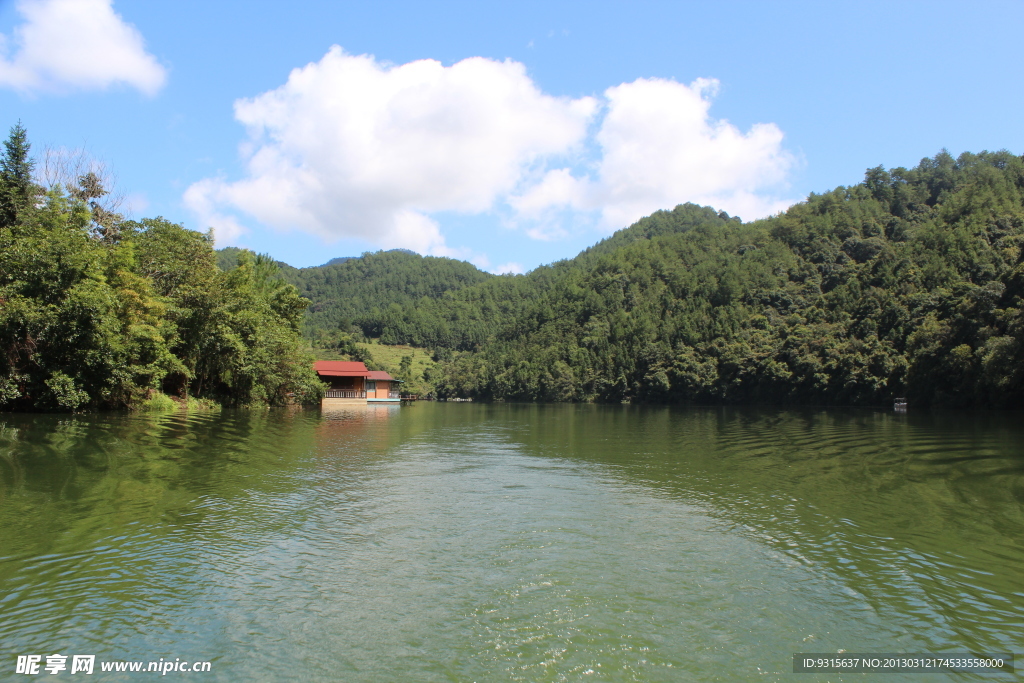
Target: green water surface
469, 542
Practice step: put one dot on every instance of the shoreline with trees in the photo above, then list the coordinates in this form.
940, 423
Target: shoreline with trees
97, 312
910, 283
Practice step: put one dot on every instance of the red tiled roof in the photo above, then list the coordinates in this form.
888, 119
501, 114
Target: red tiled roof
340, 368
348, 368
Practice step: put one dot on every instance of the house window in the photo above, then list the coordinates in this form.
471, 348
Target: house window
371, 385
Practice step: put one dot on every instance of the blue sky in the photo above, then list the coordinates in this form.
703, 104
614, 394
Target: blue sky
506, 134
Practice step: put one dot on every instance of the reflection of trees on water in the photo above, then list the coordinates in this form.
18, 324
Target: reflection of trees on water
89, 475
101, 472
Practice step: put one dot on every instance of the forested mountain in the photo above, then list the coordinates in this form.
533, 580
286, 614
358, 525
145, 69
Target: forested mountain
909, 283
228, 259
358, 295
100, 312
361, 292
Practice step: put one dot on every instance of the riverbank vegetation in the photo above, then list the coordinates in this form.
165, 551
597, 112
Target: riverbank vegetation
99, 312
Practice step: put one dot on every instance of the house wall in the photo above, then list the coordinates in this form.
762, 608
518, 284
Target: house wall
383, 388
358, 384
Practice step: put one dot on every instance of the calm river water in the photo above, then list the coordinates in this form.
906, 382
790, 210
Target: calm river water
469, 542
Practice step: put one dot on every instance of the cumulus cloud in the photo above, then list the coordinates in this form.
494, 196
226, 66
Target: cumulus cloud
204, 199
660, 147
351, 147
76, 44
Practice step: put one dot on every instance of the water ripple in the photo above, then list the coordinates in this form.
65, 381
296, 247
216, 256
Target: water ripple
475, 542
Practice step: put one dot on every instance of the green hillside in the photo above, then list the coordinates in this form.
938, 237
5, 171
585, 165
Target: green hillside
909, 283
357, 295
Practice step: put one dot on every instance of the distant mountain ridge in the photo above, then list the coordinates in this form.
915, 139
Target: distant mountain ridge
227, 258
351, 293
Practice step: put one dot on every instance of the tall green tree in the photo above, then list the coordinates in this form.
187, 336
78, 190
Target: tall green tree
17, 190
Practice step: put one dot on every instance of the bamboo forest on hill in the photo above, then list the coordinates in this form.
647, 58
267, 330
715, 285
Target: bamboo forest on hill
910, 283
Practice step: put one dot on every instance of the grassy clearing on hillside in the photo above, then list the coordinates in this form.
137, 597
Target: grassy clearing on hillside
389, 358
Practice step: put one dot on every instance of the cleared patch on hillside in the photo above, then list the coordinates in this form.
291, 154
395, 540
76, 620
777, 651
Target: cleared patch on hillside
401, 361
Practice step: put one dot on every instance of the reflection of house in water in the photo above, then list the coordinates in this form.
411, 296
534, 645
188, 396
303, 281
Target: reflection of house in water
350, 383
358, 433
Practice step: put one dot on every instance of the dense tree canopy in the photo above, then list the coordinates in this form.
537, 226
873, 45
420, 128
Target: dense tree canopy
99, 312
362, 291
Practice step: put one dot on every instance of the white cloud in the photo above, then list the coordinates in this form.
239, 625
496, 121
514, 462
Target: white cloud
351, 147
483, 263
660, 147
202, 198
510, 267
76, 44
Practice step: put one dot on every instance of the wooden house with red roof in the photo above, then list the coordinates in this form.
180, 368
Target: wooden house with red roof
350, 383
